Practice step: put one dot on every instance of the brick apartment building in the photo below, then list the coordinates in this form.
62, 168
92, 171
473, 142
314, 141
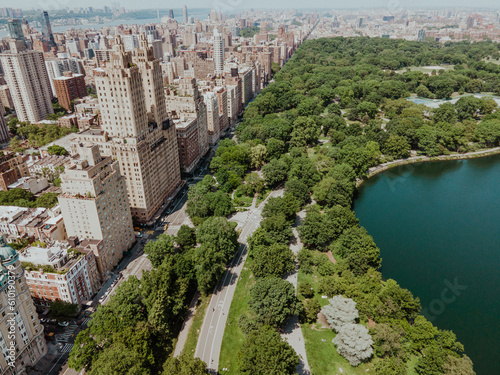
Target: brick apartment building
69, 87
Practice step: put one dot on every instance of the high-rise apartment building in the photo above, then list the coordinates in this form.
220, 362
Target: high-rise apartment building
185, 15
218, 52
15, 29
212, 105
68, 88
94, 205
421, 35
28, 81
141, 136
48, 36
18, 317
188, 102
57, 67
5, 97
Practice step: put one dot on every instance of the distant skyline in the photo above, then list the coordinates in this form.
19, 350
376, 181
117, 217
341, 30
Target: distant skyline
257, 4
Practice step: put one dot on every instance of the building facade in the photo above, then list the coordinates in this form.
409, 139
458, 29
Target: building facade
58, 272
94, 205
22, 342
28, 81
68, 88
141, 135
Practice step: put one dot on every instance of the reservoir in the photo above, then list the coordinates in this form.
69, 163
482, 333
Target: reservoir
437, 225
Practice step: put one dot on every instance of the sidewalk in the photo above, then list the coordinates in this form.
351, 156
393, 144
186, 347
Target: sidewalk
188, 321
293, 331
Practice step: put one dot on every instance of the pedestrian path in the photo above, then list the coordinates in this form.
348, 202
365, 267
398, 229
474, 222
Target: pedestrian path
86, 321
67, 348
68, 332
293, 331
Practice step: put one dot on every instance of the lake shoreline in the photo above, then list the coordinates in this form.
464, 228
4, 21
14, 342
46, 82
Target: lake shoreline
373, 171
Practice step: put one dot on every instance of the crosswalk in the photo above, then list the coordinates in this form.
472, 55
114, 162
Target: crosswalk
67, 348
86, 321
68, 332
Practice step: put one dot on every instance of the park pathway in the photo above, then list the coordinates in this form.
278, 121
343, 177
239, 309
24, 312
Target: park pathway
293, 331
188, 322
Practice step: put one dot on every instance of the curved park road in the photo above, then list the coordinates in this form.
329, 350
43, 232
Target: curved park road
214, 323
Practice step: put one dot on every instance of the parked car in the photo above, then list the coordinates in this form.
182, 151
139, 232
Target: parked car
63, 324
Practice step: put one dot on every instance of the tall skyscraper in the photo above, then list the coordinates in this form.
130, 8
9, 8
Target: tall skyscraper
140, 134
28, 82
19, 317
421, 35
47, 30
94, 205
171, 14
185, 15
218, 52
15, 29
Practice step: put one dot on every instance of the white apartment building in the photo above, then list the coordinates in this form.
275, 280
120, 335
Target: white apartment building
218, 52
212, 105
94, 205
28, 82
71, 275
29, 343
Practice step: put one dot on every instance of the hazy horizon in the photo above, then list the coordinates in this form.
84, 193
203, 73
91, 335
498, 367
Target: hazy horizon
256, 4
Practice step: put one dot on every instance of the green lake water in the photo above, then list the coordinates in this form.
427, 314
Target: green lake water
438, 229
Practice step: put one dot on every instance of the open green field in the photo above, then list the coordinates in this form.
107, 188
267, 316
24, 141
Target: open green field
492, 61
322, 354
426, 69
234, 338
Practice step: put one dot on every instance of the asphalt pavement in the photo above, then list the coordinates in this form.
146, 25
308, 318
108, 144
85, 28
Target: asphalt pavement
214, 323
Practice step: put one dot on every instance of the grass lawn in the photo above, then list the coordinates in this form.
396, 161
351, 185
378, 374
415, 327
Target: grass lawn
492, 61
262, 195
322, 354
233, 336
194, 330
242, 201
426, 69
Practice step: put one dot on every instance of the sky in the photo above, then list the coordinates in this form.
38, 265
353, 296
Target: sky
246, 4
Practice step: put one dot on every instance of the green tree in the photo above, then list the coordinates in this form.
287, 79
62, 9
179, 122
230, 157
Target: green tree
286, 205
266, 353
273, 301
397, 146
63, 310
159, 249
357, 251
186, 237
275, 172
275, 148
298, 189
274, 260
303, 169
258, 155
56, 150
184, 365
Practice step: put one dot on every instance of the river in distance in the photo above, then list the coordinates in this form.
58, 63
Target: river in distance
438, 229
